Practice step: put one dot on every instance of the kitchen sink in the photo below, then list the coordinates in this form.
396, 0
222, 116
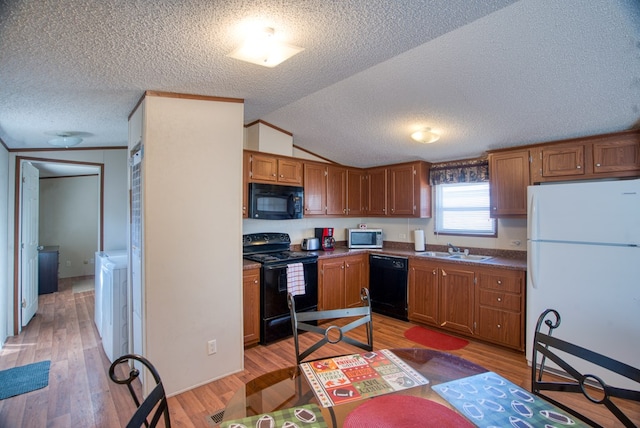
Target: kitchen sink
436, 254
471, 257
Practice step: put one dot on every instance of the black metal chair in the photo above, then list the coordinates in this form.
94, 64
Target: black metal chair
547, 347
306, 321
154, 405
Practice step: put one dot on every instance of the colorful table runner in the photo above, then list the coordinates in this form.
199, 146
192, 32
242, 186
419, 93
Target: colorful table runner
489, 400
354, 377
306, 416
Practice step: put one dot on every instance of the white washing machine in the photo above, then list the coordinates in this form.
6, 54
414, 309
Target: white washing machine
101, 258
115, 327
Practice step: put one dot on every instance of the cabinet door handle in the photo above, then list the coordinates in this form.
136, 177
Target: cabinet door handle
598, 164
499, 282
499, 326
578, 167
434, 271
499, 299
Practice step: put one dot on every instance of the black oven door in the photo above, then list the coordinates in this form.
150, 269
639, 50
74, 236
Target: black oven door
274, 311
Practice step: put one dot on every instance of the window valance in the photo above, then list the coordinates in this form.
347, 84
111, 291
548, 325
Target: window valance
465, 171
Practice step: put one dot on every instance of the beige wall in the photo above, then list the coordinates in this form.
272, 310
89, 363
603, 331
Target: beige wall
69, 218
6, 275
192, 270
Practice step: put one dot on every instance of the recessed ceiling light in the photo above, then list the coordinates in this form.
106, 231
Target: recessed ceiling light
425, 135
263, 49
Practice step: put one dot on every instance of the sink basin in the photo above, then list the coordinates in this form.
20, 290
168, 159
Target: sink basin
436, 254
472, 257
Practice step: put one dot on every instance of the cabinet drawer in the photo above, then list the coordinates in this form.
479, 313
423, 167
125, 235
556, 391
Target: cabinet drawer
498, 300
501, 326
502, 282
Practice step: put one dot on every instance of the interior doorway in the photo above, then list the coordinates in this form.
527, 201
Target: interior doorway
49, 169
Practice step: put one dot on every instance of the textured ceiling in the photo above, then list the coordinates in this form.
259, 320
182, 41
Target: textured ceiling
486, 74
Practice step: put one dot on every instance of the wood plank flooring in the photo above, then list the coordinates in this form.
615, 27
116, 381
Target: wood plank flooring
80, 393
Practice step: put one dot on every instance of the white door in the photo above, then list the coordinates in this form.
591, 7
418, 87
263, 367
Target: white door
29, 242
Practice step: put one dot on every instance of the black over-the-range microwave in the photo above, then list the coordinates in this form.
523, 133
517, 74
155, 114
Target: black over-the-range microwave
274, 202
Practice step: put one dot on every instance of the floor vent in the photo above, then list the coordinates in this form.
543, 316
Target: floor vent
216, 418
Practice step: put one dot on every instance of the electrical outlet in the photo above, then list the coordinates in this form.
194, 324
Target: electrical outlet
402, 236
515, 243
68, 263
212, 348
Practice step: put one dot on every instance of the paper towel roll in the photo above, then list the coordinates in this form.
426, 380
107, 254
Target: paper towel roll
419, 239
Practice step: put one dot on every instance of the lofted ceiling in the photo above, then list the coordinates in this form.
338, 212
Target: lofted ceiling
485, 74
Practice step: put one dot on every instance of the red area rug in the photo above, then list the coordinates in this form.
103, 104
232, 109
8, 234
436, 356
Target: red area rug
434, 339
406, 411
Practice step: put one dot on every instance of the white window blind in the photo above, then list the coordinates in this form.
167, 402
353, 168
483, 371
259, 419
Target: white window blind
463, 209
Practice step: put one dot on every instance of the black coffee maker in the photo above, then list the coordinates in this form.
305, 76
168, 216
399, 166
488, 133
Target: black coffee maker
325, 235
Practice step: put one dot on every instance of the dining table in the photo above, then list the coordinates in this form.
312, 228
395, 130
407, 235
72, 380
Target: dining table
401, 387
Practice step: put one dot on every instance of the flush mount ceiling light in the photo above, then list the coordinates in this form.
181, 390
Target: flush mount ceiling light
425, 135
65, 139
262, 48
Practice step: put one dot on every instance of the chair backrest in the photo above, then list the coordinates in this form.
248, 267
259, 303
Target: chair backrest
546, 348
315, 322
154, 405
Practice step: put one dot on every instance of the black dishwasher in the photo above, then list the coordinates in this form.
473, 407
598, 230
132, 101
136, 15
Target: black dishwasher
388, 285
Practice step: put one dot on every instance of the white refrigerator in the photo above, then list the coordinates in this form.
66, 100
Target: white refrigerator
583, 259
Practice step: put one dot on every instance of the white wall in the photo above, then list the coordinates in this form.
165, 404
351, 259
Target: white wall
394, 229
69, 217
192, 258
115, 198
6, 281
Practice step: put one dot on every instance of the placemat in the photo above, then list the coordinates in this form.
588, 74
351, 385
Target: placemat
488, 399
306, 416
354, 377
406, 411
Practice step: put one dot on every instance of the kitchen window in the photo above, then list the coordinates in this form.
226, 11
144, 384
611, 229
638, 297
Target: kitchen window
463, 209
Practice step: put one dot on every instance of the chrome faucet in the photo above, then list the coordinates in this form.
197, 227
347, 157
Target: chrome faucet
456, 250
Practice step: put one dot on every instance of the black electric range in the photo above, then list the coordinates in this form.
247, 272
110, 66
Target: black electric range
273, 252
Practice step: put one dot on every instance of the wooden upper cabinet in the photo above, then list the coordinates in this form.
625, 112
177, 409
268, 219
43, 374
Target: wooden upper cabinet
246, 156
409, 193
401, 194
290, 172
336, 190
620, 155
563, 161
509, 178
315, 189
273, 169
356, 192
377, 191
601, 156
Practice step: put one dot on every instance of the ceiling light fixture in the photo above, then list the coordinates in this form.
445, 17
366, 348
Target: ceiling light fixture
425, 135
262, 48
65, 139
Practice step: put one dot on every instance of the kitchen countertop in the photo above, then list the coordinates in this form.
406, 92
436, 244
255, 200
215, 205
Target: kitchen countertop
514, 260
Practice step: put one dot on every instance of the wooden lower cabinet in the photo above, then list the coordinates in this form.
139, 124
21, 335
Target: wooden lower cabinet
424, 290
456, 298
251, 302
482, 302
500, 298
340, 280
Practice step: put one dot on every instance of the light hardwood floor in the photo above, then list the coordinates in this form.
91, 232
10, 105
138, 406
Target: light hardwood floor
80, 394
